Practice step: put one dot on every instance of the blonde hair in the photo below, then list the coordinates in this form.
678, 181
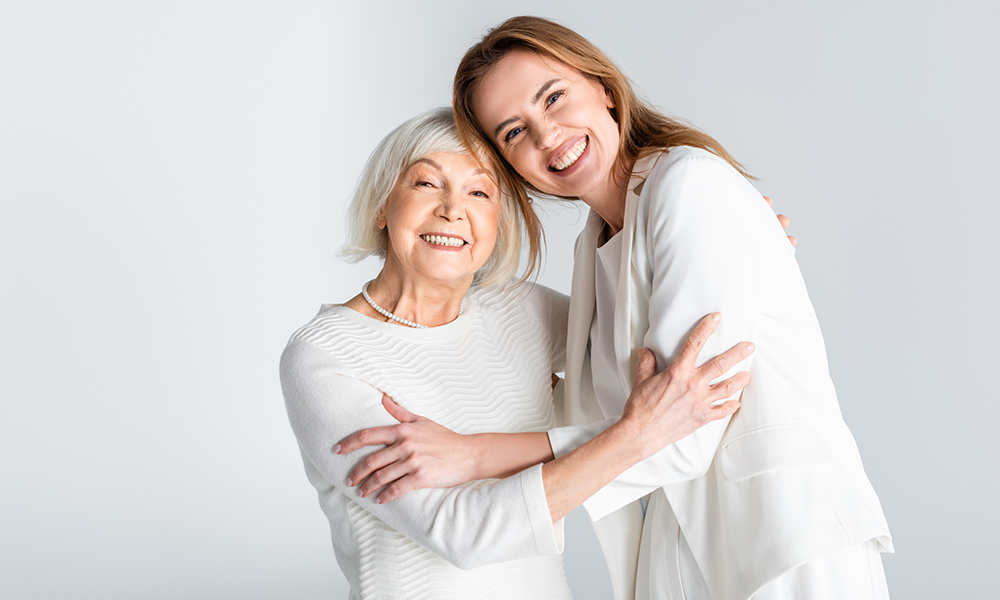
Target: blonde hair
643, 129
430, 132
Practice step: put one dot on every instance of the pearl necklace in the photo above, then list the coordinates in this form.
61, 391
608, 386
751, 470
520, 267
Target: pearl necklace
400, 320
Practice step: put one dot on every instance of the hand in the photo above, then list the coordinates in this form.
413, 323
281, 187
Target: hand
666, 407
784, 223
419, 453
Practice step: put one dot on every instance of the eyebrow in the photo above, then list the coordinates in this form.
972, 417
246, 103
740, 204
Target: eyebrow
538, 95
430, 162
440, 168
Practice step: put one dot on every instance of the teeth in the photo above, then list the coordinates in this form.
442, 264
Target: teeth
570, 157
441, 240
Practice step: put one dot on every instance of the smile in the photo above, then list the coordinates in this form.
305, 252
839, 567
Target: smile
570, 156
443, 240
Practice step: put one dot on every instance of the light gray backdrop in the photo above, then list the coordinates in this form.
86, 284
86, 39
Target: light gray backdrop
173, 178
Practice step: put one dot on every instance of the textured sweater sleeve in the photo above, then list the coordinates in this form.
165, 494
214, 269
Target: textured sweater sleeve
709, 239
480, 523
552, 310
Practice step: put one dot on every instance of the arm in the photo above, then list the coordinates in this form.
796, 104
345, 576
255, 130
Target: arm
420, 453
471, 525
661, 409
710, 241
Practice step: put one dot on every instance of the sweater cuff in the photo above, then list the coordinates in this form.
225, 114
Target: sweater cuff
548, 536
566, 439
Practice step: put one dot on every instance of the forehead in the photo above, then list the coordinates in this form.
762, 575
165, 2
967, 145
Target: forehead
514, 82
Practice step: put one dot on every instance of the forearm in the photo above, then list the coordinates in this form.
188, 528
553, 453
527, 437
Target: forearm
501, 455
571, 479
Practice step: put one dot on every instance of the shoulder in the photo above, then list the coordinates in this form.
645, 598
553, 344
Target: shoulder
510, 295
684, 165
329, 330
690, 181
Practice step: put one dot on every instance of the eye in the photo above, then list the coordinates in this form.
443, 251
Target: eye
481, 194
512, 133
424, 183
553, 97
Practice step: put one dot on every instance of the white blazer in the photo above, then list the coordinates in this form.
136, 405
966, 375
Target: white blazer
781, 482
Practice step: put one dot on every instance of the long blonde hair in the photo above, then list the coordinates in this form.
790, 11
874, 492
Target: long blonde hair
643, 129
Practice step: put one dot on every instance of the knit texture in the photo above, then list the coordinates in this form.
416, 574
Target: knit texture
489, 370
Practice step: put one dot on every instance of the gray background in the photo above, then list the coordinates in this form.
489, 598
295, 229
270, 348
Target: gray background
173, 178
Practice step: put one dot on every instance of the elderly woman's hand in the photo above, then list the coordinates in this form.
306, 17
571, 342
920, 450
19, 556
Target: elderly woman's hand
419, 453
667, 406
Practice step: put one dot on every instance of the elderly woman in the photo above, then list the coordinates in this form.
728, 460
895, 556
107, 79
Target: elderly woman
441, 331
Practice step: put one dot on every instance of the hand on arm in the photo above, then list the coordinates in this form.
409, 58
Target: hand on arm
662, 409
420, 453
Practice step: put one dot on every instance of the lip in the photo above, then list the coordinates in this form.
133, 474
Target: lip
453, 236
563, 150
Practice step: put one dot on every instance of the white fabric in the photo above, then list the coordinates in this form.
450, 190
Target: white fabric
489, 370
781, 483
607, 384
668, 569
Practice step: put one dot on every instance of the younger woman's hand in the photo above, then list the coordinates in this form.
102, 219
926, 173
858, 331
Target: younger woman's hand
784, 224
665, 407
419, 453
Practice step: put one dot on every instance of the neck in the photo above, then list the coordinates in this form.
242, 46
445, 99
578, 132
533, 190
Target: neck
608, 199
430, 303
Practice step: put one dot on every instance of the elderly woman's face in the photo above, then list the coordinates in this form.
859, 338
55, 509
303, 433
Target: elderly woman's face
441, 218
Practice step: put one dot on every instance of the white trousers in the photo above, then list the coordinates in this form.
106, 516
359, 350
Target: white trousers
668, 571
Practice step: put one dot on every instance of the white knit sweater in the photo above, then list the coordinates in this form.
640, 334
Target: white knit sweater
487, 371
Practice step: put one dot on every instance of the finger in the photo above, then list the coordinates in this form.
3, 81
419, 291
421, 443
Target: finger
723, 410
696, 341
784, 221
373, 436
769, 203
401, 486
646, 367
728, 388
793, 240
372, 463
720, 365
398, 412
383, 477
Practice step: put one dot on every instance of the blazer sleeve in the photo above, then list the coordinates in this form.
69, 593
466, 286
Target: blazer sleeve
478, 523
707, 240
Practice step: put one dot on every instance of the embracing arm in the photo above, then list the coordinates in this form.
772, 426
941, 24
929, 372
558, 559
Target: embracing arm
480, 523
662, 409
709, 240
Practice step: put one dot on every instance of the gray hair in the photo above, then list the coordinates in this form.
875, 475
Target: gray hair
430, 132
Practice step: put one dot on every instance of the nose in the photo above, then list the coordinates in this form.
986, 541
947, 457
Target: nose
546, 134
452, 205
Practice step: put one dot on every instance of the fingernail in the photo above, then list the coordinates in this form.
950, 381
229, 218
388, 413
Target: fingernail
350, 483
715, 316
361, 492
336, 449
378, 501
750, 346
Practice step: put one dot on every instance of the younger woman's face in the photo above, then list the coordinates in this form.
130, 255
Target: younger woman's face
550, 121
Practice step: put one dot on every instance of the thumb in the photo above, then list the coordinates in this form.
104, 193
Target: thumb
398, 412
646, 367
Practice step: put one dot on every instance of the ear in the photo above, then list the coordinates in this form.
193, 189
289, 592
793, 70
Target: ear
380, 219
609, 100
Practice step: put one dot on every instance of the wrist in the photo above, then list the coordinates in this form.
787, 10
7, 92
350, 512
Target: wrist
478, 456
628, 440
